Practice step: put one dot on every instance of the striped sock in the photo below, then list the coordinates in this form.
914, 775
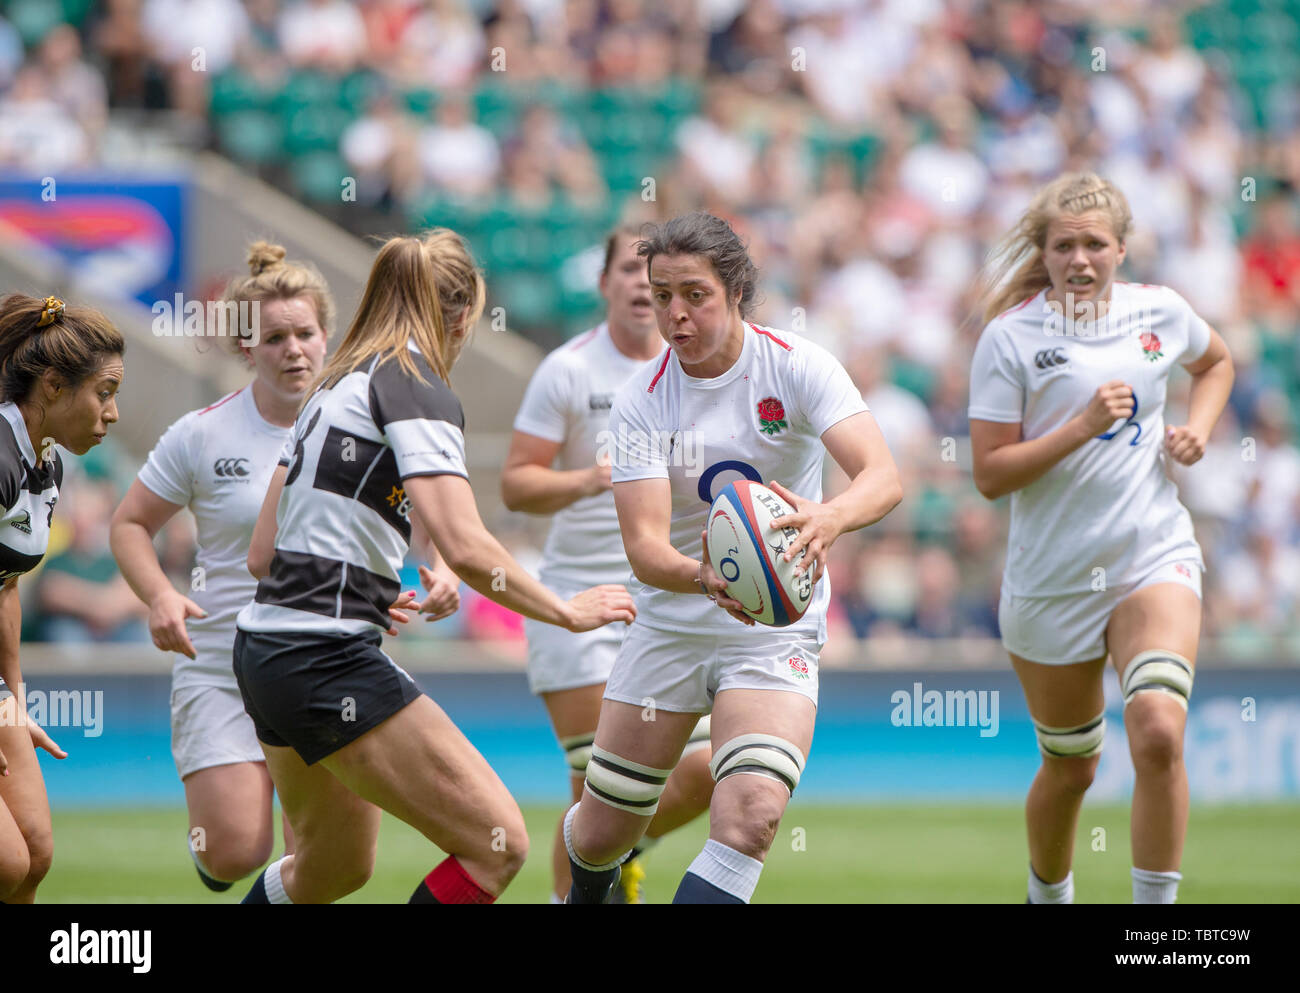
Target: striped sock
1041, 892
269, 888
1150, 886
450, 883
719, 874
591, 883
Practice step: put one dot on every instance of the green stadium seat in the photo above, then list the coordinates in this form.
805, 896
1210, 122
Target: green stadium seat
529, 299
255, 137
421, 102
235, 90
33, 19
305, 88
357, 90
318, 176
315, 128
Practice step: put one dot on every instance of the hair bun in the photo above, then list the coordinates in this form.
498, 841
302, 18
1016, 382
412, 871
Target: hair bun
263, 255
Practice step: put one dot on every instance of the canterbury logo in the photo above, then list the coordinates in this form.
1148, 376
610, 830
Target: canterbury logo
230, 467
1049, 358
23, 524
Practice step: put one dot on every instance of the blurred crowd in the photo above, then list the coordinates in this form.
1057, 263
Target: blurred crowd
970, 106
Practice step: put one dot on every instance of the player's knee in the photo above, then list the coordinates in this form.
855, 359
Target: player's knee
236, 858
747, 816
15, 864
1155, 736
1074, 775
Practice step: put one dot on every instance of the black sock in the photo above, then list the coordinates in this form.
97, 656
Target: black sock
697, 889
591, 886
422, 895
258, 893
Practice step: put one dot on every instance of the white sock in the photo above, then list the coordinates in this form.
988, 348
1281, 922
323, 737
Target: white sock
274, 886
1150, 886
727, 869
555, 898
1041, 892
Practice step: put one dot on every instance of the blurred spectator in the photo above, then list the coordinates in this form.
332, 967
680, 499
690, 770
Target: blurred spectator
323, 34
1169, 71
441, 47
556, 149
718, 156
1272, 254
123, 47
71, 82
456, 155
945, 174
378, 150
37, 134
194, 40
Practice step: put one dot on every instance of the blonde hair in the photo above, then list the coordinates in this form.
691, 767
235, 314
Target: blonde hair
417, 289
272, 278
1016, 271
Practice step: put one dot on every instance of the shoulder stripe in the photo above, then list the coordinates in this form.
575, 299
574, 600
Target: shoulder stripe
1020, 306
224, 399
584, 340
658, 375
769, 334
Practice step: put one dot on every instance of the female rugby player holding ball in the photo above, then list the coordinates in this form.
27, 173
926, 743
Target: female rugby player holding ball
759, 404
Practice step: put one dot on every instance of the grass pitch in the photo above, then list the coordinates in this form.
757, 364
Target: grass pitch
822, 854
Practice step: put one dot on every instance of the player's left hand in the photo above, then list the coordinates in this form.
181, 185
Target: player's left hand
443, 587
400, 609
1184, 444
818, 525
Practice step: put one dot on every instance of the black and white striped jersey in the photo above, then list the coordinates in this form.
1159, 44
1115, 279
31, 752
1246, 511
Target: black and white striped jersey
343, 522
27, 495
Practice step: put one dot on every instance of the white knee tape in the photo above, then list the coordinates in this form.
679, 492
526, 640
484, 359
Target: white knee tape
577, 751
699, 738
760, 755
1082, 742
1160, 670
625, 784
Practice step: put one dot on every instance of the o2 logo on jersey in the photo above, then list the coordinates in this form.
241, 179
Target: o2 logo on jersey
1131, 421
743, 469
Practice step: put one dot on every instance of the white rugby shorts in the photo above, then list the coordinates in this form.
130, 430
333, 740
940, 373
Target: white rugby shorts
1070, 628
210, 727
684, 672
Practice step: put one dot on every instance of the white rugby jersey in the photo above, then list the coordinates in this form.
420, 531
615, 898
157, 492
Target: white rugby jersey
568, 401
217, 462
762, 419
343, 522
1108, 505
27, 496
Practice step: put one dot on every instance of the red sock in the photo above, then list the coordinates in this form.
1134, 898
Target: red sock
450, 883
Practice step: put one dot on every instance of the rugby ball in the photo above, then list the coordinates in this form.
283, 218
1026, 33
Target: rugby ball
750, 556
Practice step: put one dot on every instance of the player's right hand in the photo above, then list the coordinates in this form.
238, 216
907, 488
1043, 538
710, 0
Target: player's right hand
1112, 402
167, 615
717, 587
599, 480
600, 605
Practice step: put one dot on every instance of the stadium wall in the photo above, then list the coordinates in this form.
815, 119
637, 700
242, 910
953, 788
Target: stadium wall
1243, 739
